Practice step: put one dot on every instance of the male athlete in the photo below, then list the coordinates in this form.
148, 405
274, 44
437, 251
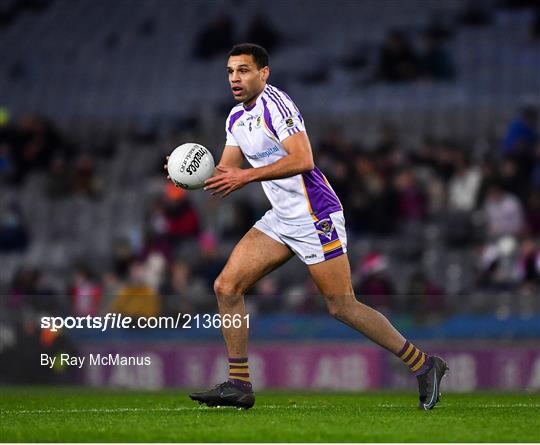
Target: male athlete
306, 220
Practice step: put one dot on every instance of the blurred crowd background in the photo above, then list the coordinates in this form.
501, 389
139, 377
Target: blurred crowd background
422, 114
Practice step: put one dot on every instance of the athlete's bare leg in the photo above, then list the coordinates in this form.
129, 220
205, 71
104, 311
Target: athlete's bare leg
255, 255
333, 278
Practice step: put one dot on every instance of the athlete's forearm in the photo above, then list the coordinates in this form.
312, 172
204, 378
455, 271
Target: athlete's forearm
290, 165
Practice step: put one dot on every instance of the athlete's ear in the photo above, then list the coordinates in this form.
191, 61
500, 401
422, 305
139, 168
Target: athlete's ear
265, 73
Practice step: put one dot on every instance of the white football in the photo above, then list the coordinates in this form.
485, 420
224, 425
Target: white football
190, 165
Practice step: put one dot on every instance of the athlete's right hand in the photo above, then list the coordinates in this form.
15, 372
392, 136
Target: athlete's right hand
228, 180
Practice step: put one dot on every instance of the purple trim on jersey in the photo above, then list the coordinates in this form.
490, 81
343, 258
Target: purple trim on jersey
289, 97
279, 98
250, 108
322, 198
234, 118
268, 118
277, 104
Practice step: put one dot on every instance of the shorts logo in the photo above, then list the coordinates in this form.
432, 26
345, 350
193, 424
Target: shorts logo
309, 257
325, 227
289, 122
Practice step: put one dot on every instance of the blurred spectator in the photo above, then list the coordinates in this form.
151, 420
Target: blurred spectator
58, 182
216, 38
155, 266
35, 142
464, 185
375, 287
240, 219
436, 62
511, 179
333, 155
268, 296
522, 139
372, 202
332, 145
181, 218
111, 284
14, 236
136, 298
533, 213
122, 257
435, 192
398, 61
463, 190
389, 154
210, 263
411, 200
86, 293
6, 163
184, 292
496, 264
488, 173
156, 243
503, 213
85, 180
29, 290
425, 300
303, 298
338, 174
262, 32
529, 264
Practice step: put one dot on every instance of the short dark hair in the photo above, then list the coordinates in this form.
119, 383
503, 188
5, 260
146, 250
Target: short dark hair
260, 55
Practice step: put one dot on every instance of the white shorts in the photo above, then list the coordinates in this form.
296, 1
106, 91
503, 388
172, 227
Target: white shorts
312, 242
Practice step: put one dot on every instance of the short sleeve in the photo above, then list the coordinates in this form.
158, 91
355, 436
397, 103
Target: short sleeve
229, 139
288, 125
229, 125
286, 118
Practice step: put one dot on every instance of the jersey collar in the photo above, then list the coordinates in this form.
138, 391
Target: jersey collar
256, 101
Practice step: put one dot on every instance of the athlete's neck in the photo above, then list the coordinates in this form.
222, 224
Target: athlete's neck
249, 103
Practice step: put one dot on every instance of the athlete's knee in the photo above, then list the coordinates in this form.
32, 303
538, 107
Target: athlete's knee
339, 307
227, 289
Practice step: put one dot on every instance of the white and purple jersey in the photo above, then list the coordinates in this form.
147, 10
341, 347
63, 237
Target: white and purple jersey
259, 132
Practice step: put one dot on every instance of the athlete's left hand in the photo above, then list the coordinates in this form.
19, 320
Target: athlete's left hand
227, 180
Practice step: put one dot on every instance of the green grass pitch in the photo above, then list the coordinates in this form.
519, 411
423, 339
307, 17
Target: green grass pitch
91, 415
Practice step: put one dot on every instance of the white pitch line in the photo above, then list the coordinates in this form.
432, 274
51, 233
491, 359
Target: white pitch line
498, 405
198, 408
136, 410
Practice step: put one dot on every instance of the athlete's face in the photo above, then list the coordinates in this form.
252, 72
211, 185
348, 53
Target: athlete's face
246, 80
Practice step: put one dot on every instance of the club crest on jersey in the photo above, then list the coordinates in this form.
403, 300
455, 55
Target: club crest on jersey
257, 121
325, 227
